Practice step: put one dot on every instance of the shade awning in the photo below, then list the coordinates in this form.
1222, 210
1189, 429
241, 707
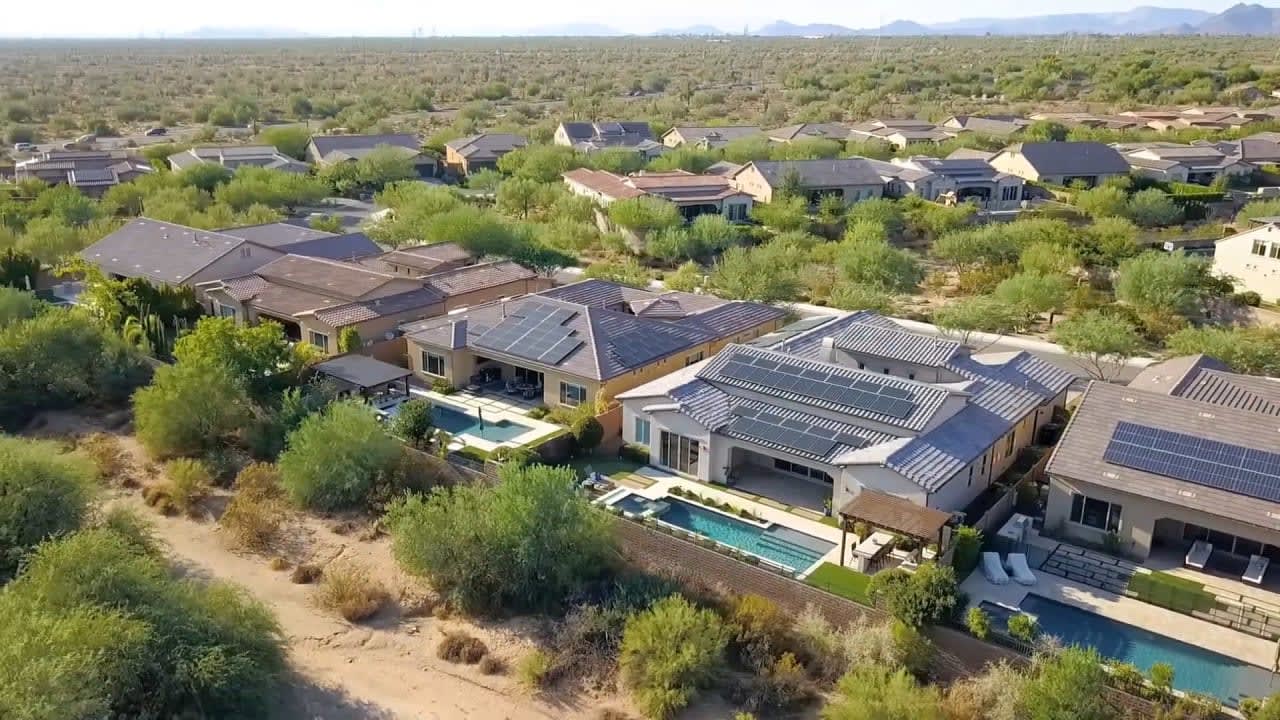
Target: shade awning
361, 372
891, 512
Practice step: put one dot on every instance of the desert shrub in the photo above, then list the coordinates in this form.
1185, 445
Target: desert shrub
279, 562
587, 433
44, 493
532, 669
978, 622
1023, 627
877, 693
759, 628
156, 646
306, 574
348, 589
523, 544
991, 695
1067, 683
187, 482
776, 687
413, 422
188, 409
335, 457
251, 523
968, 549
459, 647
132, 528
670, 651
491, 665
924, 597
107, 456
258, 481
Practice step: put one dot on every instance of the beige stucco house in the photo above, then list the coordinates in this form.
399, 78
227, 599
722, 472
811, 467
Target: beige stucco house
1062, 163
693, 194
850, 179
1252, 259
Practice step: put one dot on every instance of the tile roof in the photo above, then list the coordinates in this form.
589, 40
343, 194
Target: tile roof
348, 247
365, 310
866, 338
477, 277
714, 136
275, 234
1079, 454
612, 132
830, 131
1206, 379
1071, 158
593, 291
820, 173
334, 278
361, 145
428, 257
486, 146
159, 251
808, 343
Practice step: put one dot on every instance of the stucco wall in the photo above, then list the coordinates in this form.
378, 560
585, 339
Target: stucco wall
1261, 274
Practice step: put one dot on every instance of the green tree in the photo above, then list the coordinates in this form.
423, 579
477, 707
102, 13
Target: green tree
625, 272
1268, 710
925, 597
523, 544
1111, 241
670, 651
349, 340
1103, 201
1252, 350
190, 408
1153, 208
644, 214
851, 296
335, 457
886, 213
519, 197
259, 357
1257, 209
18, 269
1045, 131
988, 245
1043, 258
785, 213
1069, 684
272, 188
877, 693
983, 313
1102, 342
18, 305
543, 163
587, 433
1159, 281
764, 274
44, 493
413, 422
689, 158
290, 140
384, 165
620, 161
204, 176
877, 264
325, 223
686, 278
1035, 293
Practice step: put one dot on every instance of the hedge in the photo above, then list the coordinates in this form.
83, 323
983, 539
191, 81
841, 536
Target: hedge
1172, 592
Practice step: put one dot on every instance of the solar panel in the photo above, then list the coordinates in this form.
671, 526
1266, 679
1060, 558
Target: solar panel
1212, 463
795, 440
863, 395
560, 350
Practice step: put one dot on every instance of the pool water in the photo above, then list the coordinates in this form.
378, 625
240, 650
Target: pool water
1195, 669
456, 422
792, 549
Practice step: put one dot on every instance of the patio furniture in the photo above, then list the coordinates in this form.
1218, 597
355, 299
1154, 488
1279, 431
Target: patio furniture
993, 570
1257, 569
531, 392
1199, 554
1018, 568
512, 387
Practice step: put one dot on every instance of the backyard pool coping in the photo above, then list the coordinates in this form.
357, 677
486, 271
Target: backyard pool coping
537, 428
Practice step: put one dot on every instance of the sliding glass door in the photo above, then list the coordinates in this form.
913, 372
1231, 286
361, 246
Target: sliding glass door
679, 453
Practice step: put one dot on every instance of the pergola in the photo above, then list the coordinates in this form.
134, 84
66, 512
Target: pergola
365, 376
895, 514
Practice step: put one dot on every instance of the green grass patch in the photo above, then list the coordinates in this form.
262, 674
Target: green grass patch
1172, 592
828, 520
605, 465
474, 453
841, 581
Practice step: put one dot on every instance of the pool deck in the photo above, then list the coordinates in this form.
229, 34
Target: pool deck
494, 411
662, 482
1172, 624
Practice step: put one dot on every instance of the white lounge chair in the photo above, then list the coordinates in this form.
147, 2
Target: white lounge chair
1257, 569
993, 570
1199, 554
1019, 569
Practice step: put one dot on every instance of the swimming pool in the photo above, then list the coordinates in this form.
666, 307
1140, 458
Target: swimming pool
1195, 669
456, 422
789, 548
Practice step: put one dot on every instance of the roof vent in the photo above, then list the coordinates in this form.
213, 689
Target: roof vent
1205, 414
1110, 475
1131, 400
1186, 493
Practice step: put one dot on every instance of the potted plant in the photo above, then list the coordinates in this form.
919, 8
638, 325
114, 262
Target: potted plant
861, 530
826, 507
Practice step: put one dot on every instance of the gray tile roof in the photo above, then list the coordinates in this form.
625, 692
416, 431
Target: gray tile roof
808, 343
598, 292
1206, 379
478, 277
359, 145
159, 251
1079, 454
426, 299
821, 173
338, 279
926, 399
1072, 158
428, 257
276, 234
609, 132
714, 136
335, 247
830, 131
866, 338
486, 146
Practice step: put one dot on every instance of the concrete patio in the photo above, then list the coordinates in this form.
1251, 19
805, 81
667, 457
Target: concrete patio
786, 489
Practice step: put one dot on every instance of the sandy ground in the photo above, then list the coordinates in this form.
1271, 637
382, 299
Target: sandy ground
385, 668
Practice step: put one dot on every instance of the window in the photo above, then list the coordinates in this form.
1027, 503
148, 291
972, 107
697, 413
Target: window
642, 431
970, 483
1097, 514
320, 340
696, 357
911, 376
1259, 247
1009, 193
984, 463
433, 364
1008, 445
1275, 251
572, 395
736, 212
802, 470
224, 310
679, 453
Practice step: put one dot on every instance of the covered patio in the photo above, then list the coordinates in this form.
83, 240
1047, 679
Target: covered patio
381, 384
785, 481
894, 529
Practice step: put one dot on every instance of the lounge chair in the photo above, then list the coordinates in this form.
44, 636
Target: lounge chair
1199, 554
1019, 570
1257, 569
512, 387
992, 569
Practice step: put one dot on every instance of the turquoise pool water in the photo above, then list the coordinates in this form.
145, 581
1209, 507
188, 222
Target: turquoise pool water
460, 423
1195, 669
792, 549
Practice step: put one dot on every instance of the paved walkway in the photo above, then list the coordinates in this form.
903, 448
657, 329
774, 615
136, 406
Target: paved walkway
1090, 568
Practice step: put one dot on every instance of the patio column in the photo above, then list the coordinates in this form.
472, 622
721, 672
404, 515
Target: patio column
843, 538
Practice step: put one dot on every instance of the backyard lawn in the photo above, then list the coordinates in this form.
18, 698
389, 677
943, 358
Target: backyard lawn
841, 581
605, 465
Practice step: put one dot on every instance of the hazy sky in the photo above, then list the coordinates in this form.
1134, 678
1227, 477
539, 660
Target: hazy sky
93, 18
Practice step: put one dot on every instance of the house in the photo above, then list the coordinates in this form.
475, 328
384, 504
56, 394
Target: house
91, 172
1252, 259
316, 299
708, 138
1001, 126
1187, 452
1200, 164
1062, 163
235, 156
804, 131
694, 194
590, 137
573, 344
170, 254
1256, 150
844, 405
1090, 120
851, 179
466, 155
422, 260
966, 180
897, 132
326, 150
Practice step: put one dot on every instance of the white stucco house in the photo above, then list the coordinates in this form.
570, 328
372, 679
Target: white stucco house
1252, 259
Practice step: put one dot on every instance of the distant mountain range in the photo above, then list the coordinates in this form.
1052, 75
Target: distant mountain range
1239, 19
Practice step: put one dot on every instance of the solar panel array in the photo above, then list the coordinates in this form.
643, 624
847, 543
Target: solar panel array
535, 332
1215, 464
798, 435
874, 397
638, 347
